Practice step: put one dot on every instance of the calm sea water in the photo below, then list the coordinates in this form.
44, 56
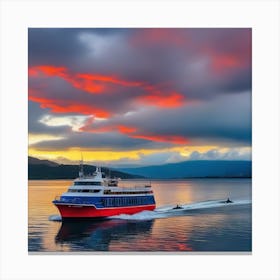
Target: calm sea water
205, 224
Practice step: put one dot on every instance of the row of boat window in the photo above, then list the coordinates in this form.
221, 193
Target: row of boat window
135, 192
87, 183
107, 191
123, 201
84, 190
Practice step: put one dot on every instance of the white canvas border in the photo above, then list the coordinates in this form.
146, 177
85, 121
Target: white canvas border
262, 16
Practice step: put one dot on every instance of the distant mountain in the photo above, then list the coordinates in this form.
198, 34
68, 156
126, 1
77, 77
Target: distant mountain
195, 169
45, 169
32, 160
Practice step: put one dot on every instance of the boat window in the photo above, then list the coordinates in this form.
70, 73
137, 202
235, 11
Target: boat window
92, 183
131, 192
84, 190
125, 201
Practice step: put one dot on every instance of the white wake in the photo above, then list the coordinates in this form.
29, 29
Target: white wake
168, 210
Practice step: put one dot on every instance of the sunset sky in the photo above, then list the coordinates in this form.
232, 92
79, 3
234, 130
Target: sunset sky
124, 97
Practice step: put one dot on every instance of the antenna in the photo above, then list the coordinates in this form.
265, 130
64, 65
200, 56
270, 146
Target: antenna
81, 172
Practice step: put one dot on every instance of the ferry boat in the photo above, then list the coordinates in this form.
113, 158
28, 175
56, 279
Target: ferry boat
96, 197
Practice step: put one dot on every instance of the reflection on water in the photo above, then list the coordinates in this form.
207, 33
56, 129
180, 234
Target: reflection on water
98, 235
226, 228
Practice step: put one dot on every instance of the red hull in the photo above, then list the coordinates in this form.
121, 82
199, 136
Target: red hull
71, 211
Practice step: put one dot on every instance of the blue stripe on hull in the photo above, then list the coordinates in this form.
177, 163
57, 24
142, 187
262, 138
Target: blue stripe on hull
108, 201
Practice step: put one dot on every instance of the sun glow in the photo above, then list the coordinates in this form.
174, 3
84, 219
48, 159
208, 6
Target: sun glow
74, 154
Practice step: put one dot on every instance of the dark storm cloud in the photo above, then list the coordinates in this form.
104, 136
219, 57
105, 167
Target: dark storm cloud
52, 46
168, 56
223, 118
226, 119
60, 46
218, 59
150, 84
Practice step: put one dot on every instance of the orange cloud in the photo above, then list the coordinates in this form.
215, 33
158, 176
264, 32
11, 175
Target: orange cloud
68, 106
87, 85
222, 62
163, 138
97, 84
93, 83
51, 70
121, 128
170, 100
109, 79
76, 80
134, 132
32, 72
148, 36
126, 129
